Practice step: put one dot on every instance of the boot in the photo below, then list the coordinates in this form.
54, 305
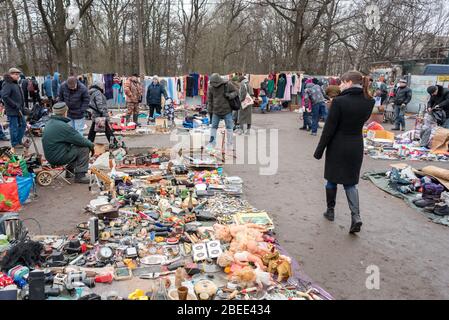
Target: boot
136, 119
353, 200
81, 178
331, 195
396, 128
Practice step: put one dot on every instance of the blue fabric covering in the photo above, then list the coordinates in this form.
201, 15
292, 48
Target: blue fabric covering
24, 186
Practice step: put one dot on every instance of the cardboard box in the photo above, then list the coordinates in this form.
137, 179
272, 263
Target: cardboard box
162, 122
381, 134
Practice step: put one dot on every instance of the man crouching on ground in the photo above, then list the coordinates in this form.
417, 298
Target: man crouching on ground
63, 145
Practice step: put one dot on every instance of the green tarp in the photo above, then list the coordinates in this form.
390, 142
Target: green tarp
382, 182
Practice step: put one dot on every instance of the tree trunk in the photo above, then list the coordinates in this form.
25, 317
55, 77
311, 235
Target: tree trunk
32, 43
8, 37
168, 38
326, 52
123, 65
60, 40
19, 43
69, 43
140, 36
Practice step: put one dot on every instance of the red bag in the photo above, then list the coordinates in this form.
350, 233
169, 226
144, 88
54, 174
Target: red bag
9, 197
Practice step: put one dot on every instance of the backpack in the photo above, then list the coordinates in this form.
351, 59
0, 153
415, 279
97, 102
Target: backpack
234, 103
30, 87
439, 116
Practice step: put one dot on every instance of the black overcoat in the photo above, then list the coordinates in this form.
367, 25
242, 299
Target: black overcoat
342, 137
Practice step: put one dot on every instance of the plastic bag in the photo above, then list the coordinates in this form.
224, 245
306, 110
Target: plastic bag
100, 124
375, 126
9, 197
102, 163
24, 186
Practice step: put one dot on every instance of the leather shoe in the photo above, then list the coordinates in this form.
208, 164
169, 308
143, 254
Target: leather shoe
356, 224
82, 179
441, 210
422, 203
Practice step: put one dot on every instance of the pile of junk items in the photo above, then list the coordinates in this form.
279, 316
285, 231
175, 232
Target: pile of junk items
427, 142
161, 228
426, 190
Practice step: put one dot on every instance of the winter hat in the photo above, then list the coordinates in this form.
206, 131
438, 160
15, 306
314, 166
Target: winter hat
14, 70
431, 90
99, 84
156, 78
60, 108
403, 81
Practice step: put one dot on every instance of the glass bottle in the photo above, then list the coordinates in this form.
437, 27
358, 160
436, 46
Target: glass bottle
160, 292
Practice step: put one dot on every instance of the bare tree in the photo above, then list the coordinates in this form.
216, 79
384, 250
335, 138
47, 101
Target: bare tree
20, 45
55, 28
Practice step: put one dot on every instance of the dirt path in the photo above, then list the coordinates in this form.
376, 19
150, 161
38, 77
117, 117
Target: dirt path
410, 251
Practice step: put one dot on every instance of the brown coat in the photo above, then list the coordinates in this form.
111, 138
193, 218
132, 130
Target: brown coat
133, 91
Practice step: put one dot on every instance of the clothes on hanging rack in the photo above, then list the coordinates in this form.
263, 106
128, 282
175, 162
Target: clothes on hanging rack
256, 79
288, 87
281, 84
108, 82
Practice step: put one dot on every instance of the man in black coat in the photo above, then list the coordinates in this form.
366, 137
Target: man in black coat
23, 82
13, 99
35, 94
439, 99
76, 97
402, 98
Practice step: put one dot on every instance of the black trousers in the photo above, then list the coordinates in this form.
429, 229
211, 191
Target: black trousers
36, 98
80, 165
155, 107
93, 134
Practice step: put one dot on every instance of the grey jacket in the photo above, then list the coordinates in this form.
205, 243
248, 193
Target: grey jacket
245, 88
217, 102
98, 103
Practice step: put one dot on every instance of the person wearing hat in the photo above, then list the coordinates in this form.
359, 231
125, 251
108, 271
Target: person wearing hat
402, 98
133, 93
155, 92
14, 101
63, 145
439, 99
77, 99
99, 106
